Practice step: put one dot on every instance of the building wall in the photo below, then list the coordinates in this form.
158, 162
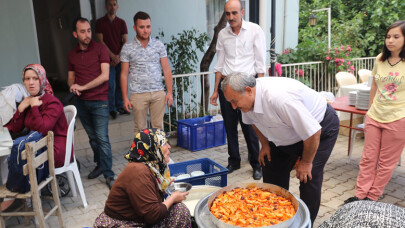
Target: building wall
171, 17
18, 45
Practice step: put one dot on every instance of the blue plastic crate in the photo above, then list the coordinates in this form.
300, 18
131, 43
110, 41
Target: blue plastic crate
199, 133
215, 174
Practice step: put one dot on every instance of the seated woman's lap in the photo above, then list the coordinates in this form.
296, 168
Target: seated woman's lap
178, 217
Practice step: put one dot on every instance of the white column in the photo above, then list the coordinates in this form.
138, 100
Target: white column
263, 15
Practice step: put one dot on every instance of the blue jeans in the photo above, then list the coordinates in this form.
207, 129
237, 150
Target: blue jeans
114, 89
94, 116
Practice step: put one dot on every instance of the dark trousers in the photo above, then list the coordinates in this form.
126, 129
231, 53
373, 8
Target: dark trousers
283, 159
231, 119
94, 117
114, 88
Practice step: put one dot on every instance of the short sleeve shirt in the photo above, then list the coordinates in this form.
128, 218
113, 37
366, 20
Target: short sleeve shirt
285, 110
112, 32
389, 101
145, 71
87, 66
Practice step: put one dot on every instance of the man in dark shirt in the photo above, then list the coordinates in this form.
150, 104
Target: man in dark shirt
88, 69
112, 32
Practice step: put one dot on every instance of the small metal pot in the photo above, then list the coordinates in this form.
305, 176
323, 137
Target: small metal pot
269, 187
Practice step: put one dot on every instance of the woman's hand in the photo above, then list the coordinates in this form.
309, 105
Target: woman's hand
178, 196
175, 197
35, 101
24, 104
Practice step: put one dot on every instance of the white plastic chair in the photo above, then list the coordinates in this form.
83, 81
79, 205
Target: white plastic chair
364, 74
345, 78
354, 133
71, 168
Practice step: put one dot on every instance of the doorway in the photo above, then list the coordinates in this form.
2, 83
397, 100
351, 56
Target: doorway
54, 21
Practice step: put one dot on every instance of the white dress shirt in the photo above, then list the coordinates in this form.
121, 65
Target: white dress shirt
285, 110
245, 52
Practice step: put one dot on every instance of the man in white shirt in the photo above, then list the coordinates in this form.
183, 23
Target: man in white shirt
295, 126
241, 47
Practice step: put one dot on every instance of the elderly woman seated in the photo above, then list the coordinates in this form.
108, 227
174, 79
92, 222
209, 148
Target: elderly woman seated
41, 112
136, 198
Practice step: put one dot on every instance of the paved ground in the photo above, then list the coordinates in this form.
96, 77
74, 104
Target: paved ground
339, 179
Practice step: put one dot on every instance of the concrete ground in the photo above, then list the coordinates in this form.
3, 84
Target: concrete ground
339, 178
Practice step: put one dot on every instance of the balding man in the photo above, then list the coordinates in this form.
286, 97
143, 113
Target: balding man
241, 47
293, 123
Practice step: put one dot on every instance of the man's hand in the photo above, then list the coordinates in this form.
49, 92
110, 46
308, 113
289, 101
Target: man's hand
304, 171
169, 98
127, 104
213, 98
115, 60
35, 101
264, 152
77, 89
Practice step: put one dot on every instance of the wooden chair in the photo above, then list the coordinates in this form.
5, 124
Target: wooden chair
345, 78
364, 74
30, 169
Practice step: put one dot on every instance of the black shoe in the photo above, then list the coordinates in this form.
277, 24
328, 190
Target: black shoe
232, 168
113, 115
122, 111
15, 206
257, 174
110, 182
352, 199
95, 173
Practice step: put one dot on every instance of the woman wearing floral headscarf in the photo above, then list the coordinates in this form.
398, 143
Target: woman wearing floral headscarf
41, 111
136, 198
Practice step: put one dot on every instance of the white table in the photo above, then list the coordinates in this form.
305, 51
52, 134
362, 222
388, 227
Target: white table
5, 149
5, 142
345, 90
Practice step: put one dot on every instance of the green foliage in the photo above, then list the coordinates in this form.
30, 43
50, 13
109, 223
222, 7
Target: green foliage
182, 54
182, 50
360, 24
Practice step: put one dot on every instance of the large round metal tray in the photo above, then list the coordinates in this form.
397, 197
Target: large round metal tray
203, 215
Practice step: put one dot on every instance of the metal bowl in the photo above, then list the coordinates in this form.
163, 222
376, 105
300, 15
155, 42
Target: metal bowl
269, 187
180, 186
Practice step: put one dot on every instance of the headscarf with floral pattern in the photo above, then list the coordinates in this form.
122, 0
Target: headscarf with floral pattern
146, 148
44, 85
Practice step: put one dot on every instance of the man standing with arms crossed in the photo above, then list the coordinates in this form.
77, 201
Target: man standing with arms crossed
142, 60
241, 47
88, 69
112, 32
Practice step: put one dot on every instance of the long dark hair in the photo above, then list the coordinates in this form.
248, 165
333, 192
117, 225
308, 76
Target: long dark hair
385, 52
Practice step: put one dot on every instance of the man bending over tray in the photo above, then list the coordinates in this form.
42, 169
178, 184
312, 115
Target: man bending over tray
295, 125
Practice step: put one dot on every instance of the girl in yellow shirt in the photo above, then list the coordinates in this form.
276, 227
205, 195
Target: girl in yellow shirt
385, 123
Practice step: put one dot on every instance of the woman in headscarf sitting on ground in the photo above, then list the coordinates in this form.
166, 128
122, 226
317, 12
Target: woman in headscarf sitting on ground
136, 198
41, 112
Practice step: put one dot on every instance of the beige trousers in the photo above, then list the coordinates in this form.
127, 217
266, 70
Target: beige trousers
154, 102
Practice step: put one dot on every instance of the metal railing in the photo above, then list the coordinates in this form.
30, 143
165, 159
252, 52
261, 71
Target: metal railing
190, 97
